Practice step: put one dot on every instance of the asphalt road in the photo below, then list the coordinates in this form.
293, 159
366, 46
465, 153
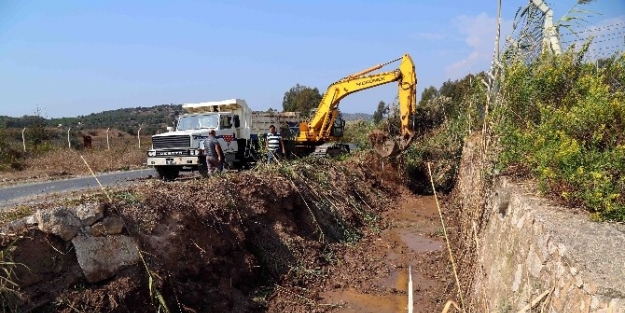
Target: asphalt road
17, 194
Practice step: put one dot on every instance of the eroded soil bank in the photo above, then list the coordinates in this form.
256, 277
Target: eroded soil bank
311, 237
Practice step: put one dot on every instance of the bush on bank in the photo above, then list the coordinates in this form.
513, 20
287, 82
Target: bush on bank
563, 123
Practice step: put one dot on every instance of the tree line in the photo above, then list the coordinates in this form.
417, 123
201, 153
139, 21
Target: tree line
150, 119
153, 119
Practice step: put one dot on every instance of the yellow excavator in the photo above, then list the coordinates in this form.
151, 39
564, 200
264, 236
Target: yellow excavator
321, 134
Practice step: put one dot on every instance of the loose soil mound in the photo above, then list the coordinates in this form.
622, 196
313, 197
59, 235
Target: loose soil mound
245, 242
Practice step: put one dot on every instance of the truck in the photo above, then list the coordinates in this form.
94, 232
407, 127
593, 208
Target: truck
239, 131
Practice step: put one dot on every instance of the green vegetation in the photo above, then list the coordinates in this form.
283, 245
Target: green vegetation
444, 117
302, 99
563, 122
10, 159
151, 119
559, 119
378, 115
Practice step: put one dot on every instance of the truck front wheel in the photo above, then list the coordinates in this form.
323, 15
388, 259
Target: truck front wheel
167, 173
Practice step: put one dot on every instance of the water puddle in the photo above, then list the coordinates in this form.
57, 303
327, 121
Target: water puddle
398, 280
353, 301
414, 219
418, 243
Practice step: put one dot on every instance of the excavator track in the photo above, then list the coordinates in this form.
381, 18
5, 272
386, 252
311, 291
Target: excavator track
327, 149
330, 149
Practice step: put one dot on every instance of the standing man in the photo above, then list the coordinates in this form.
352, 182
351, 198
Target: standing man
214, 154
273, 143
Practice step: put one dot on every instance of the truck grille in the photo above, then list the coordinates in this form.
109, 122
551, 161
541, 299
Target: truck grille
176, 141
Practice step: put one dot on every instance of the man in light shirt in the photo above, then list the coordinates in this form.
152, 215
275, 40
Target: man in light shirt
273, 144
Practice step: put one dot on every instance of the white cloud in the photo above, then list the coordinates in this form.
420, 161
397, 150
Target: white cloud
478, 33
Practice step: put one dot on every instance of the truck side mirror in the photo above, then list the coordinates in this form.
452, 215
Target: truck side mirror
170, 129
237, 121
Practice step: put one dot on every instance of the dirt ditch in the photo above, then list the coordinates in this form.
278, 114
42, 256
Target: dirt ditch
311, 237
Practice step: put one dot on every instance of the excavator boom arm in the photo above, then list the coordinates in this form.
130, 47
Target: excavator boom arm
319, 126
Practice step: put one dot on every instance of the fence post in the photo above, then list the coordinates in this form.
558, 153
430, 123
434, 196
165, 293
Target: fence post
69, 143
108, 147
139, 137
24, 139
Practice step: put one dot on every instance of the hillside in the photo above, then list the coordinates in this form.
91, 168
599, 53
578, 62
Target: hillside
357, 116
126, 119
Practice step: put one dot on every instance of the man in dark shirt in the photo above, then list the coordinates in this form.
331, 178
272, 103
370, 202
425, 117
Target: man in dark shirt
214, 154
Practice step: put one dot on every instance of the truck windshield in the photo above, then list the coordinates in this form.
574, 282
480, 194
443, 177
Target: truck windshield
198, 122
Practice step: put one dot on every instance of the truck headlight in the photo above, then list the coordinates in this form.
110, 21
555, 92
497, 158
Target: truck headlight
151, 153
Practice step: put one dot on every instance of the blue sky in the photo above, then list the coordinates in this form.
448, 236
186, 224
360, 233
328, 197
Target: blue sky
78, 57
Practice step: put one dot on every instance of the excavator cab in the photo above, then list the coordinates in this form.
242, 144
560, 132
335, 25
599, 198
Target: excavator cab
338, 128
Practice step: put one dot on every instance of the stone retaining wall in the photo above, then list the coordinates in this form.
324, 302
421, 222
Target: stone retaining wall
527, 246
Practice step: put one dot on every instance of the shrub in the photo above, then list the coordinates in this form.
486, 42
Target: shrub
357, 132
563, 123
10, 159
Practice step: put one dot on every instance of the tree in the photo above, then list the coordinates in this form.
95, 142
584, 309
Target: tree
427, 95
378, 115
302, 99
35, 131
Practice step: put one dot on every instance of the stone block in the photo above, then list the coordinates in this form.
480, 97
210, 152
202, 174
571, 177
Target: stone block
101, 257
58, 221
89, 213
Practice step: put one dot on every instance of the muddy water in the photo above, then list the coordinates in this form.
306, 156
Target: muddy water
414, 223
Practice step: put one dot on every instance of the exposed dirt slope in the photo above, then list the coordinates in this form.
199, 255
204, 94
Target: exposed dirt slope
287, 238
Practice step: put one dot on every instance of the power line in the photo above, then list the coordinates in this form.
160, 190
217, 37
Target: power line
607, 37
597, 29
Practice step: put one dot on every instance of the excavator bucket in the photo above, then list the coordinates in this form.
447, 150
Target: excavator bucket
386, 146
383, 144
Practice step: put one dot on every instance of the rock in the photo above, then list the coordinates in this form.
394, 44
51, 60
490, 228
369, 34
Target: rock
89, 213
543, 244
518, 276
534, 263
594, 303
589, 288
552, 248
560, 270
31, 220
58, 221
14, 227
562, 250
101, 257
114, 225
97, 230
579, 282
501, 201
111, 225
